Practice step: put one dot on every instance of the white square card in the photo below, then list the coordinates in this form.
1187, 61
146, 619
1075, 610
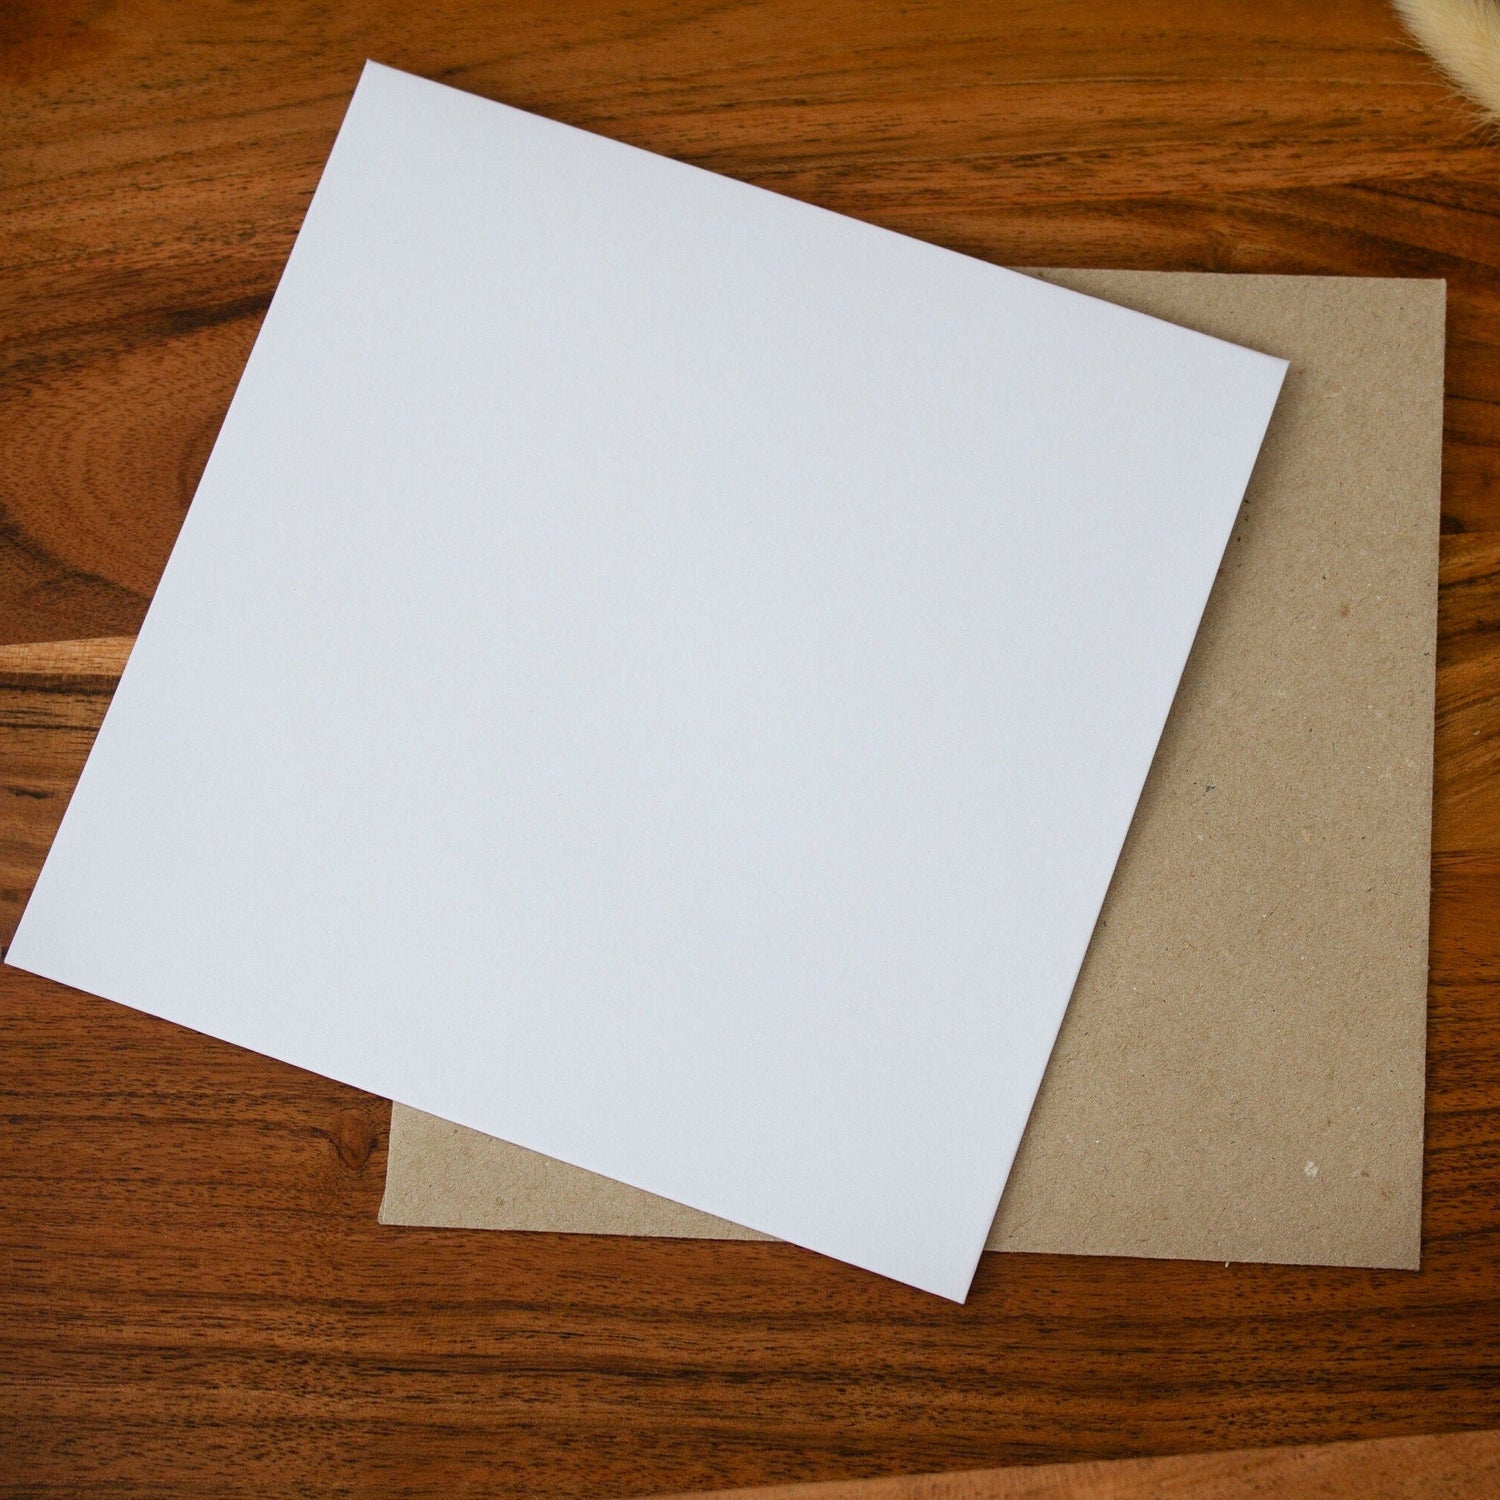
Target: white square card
657, 672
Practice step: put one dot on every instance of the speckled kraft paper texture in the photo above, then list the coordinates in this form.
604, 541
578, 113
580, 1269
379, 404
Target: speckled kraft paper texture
1241, 1072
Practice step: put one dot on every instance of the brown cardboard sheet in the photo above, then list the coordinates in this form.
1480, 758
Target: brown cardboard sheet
1240, 1075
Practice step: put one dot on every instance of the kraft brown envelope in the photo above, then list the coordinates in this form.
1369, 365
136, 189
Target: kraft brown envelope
1241, 1072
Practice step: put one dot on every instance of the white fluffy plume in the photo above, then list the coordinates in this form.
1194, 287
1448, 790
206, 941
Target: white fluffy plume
1463, 37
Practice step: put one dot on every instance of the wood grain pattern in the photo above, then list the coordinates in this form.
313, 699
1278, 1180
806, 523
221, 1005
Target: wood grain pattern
195, 1297
1463, 1466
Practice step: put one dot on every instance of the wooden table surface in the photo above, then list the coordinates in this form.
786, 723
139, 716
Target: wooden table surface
195, 1297
1445, 1466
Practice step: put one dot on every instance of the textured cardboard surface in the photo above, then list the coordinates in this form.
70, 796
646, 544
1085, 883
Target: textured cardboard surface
1240, 1075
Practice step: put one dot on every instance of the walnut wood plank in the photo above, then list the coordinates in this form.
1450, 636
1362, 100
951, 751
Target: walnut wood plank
195, 1297
155, 160
1464, 1466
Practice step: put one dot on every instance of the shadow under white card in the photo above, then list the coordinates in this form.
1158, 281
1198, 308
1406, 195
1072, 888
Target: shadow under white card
656, 671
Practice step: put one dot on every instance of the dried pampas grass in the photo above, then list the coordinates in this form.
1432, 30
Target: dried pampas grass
1463, 37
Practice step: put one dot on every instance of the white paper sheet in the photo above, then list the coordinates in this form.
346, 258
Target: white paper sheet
656, 671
